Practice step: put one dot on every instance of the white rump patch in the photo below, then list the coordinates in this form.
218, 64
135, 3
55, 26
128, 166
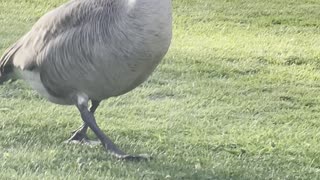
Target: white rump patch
33, 78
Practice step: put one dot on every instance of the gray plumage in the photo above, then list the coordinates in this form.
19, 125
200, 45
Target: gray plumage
91, 50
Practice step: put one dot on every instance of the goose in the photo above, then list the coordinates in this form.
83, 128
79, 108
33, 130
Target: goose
86, 51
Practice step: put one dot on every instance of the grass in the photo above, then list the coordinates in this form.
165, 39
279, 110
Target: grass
237, 97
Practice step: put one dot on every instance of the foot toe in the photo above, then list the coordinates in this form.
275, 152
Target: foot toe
140, 157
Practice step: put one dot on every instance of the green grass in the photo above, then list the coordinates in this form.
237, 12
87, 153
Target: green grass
237, 97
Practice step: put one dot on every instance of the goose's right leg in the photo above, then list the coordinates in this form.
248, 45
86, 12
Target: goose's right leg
80, 135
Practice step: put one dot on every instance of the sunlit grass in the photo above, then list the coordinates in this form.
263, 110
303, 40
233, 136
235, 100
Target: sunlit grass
237, 97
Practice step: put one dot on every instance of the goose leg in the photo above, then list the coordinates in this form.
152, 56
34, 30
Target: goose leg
80, 135
89, 120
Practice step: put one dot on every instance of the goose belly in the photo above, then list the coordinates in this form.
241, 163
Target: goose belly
115, 80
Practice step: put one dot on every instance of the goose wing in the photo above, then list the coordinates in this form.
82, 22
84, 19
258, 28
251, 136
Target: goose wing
56, 27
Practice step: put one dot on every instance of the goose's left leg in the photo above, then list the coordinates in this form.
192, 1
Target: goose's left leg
80, 135
89, 119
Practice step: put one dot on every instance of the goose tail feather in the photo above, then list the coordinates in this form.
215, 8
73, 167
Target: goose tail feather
6, 65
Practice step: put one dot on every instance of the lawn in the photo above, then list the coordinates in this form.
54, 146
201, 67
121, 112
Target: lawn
237, 97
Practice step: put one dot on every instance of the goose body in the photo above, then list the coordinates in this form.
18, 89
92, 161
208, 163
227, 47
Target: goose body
91, 50
101, 48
